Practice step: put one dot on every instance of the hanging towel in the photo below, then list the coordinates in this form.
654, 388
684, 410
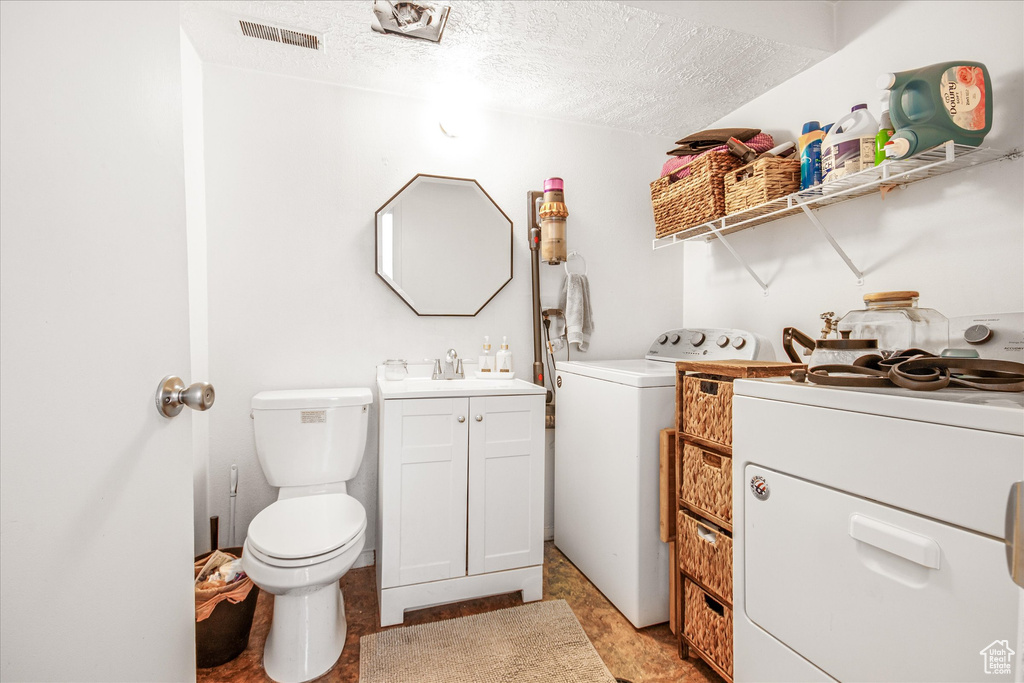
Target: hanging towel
579, 319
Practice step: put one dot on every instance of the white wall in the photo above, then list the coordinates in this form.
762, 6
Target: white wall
294, 173
956, 239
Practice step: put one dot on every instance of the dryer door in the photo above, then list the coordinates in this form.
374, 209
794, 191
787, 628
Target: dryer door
871, 593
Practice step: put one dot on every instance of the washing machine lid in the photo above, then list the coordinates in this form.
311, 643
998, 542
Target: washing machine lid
307, 526
292, 399
632, 372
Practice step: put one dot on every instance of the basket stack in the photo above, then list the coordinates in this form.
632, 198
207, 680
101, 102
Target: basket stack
696, 199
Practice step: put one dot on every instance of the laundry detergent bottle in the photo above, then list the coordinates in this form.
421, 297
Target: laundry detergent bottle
849, 146
933, 104
809, 146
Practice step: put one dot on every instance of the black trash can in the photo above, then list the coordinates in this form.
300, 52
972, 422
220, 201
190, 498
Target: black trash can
224, 634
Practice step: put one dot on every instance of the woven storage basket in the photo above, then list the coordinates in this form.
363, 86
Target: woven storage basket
705, 553
695, 199
759, 182
707, 483
708, 625
707, 409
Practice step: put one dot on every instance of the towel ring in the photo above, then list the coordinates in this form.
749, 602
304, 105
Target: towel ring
568, 258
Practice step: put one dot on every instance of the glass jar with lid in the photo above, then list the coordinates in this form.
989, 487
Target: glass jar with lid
897, 322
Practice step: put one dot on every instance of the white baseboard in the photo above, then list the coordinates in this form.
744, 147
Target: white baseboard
365, 559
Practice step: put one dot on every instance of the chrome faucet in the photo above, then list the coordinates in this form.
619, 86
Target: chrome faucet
452, 368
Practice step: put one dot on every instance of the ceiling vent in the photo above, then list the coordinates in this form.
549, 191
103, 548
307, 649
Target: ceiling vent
279, 35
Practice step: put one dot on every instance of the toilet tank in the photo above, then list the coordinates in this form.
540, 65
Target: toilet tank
310, 436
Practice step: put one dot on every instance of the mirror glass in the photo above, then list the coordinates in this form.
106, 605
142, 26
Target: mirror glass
444, 246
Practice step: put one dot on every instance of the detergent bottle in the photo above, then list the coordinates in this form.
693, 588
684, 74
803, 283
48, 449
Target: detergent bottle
933, 104
885, 131
809, 144
849, 146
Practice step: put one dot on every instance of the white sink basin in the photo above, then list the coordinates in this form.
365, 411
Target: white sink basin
420, 387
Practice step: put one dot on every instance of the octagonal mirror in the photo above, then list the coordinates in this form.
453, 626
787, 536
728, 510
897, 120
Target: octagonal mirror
444, 246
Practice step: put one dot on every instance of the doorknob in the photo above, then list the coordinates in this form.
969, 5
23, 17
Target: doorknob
172, 395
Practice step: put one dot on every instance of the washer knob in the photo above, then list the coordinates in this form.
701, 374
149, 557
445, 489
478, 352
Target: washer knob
697, 338
722, 341
674, 339
977, 334
662, 339
738, 342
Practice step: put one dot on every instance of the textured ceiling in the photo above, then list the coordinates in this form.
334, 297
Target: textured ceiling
602, 63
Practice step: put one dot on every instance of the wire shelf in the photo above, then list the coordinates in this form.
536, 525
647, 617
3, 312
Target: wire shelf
928, 164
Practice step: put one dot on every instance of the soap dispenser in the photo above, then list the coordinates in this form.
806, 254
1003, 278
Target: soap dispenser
504, 357
487, 360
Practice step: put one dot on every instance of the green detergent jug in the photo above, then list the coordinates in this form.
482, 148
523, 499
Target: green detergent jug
945, 101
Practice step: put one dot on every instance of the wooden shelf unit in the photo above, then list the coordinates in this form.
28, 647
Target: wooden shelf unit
702, 504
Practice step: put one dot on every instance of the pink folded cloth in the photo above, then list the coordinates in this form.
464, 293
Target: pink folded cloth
679, 167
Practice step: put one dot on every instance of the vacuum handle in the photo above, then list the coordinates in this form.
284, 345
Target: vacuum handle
791, 334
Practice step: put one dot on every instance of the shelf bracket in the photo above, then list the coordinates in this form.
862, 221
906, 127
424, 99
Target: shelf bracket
831, 240
735, 254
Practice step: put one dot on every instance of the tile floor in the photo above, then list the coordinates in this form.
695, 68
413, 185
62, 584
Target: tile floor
645, 656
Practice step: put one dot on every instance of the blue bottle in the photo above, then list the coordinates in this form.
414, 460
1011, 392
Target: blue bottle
810, 154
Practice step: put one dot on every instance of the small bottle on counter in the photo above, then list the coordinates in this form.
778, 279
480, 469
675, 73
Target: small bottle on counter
504, 357
487, 360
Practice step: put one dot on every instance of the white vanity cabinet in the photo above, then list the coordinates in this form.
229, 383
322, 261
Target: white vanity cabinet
460, 497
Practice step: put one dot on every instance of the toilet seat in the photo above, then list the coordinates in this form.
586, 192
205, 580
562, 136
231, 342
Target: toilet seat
306, 530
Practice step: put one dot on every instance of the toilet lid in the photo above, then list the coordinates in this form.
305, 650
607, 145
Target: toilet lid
307, 526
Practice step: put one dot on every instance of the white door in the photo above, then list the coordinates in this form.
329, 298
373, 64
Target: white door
96, 535
506, 483
423, 490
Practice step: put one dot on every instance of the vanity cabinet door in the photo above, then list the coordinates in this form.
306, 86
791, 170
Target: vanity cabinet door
506, 483
424, 490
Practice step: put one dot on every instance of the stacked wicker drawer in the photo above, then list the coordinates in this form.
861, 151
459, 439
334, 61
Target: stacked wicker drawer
703, 538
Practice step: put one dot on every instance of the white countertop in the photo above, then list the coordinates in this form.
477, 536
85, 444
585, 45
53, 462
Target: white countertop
418, 384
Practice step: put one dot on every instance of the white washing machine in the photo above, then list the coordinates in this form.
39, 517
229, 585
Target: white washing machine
609, 415
873, 533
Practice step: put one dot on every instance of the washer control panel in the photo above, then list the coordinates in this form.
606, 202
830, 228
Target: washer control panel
996, 336
706, 343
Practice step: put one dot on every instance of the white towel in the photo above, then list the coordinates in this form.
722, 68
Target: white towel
575, 302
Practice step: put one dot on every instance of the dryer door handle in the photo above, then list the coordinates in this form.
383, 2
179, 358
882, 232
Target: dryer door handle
1015, 533
906, 544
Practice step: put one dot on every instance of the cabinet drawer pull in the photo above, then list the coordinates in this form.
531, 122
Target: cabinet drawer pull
479, 418
709, 387
714, 605
462, 418
712, 460
706, 534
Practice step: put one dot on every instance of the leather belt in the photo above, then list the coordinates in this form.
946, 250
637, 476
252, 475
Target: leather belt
918, 370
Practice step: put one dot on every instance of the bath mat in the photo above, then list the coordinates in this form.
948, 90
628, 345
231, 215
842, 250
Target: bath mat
541, 641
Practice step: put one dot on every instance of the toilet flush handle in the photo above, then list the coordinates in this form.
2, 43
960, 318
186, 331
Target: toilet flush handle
172, 395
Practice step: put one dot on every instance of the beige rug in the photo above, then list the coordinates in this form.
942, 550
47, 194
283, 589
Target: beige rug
541, 641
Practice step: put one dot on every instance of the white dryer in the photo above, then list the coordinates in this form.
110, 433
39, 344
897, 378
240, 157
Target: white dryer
872, 533
609, 415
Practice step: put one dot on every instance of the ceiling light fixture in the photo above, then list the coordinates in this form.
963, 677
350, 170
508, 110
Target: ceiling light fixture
424, 20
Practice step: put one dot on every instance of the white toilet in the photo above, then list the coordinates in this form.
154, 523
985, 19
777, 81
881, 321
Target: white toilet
309, 443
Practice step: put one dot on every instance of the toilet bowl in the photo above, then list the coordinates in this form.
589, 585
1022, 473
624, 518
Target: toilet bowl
298, 549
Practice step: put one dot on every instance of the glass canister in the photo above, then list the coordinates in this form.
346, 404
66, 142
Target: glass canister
897, 322
395, 369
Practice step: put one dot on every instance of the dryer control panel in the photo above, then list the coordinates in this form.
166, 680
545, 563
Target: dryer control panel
709, 343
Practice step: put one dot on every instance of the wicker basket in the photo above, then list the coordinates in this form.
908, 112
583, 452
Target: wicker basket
759, 182
707, 626
707, 409
695, 199
705, 553
707, 484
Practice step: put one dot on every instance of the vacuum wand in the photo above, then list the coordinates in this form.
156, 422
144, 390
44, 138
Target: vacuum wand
231, 499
